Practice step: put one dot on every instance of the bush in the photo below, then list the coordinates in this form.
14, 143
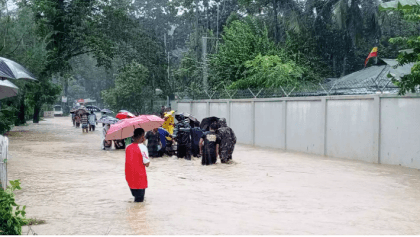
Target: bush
7, 118
12, 219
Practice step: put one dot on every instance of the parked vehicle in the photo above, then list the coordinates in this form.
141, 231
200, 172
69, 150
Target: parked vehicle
58, 111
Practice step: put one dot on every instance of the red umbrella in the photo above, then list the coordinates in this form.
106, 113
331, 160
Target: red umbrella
125, 128
125, 115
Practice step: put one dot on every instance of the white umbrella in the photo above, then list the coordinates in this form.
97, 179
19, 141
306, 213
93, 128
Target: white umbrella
12, 70
7, 89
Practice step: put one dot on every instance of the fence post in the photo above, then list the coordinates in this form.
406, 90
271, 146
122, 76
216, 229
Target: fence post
208, 108
253, 121
228, 113
324, 124
191, 107
285, 123
377, 128
3, 162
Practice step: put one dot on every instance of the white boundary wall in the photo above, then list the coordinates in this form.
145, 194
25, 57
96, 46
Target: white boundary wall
382, 129
4, 150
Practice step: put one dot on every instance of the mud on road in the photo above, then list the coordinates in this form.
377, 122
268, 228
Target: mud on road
79, 189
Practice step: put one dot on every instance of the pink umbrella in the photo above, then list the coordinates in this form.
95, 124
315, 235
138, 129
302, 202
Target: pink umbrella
125, 128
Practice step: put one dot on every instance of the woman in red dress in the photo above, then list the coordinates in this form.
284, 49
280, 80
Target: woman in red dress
136, 162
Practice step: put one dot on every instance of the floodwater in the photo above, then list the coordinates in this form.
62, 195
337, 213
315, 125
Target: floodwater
79, 189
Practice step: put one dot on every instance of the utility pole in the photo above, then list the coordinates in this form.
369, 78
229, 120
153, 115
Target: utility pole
205, 76
217, 36
204, 58
169, 82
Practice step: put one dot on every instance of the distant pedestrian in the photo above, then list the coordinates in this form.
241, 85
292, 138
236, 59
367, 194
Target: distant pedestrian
153, 141
196, 134
85, 123
77, 120
183, 138
136, 161
92, 121
105, 145
162, 111
163, 134
73, 115
227, 141
209, 146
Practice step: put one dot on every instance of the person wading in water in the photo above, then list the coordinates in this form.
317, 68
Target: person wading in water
136, 161
209, 146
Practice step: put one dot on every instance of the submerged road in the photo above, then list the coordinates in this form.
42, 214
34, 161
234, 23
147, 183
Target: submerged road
79, 189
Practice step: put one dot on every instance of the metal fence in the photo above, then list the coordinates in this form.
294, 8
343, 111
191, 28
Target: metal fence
329, 87
4, 149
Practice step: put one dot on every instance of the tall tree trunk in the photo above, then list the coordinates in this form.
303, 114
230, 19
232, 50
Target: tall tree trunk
37, 108
21, 116
66, 91
275, 21
343, 73
196, 30
37, 111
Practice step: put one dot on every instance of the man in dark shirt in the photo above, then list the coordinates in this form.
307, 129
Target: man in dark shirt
209, 146
196, 134
153, 141
183, 138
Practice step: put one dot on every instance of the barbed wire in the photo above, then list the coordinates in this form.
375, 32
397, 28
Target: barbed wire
330, 87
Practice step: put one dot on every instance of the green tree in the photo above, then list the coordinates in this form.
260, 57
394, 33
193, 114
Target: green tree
269, 71
132, 90
243, 40
410, 82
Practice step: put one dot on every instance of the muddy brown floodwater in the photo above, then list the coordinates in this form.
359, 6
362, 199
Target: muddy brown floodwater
79, 189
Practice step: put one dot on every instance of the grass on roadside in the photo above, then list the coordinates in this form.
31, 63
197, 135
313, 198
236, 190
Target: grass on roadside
34, 221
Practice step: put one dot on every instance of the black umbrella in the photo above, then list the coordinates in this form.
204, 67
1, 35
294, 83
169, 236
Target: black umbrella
12, 70
106, 111
193, 120
206, 122
93, 108
186, 115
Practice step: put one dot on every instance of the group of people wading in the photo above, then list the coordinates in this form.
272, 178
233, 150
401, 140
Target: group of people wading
220, 141
191, 140
87, 120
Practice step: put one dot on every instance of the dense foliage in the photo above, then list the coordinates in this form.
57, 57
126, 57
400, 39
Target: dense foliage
132, 90
11, 214
410, 82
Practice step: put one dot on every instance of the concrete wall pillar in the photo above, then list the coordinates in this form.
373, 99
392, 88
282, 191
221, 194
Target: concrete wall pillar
191, 107
377, 128
228, 113
253, 122
324, 124
285, 123
208, 109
